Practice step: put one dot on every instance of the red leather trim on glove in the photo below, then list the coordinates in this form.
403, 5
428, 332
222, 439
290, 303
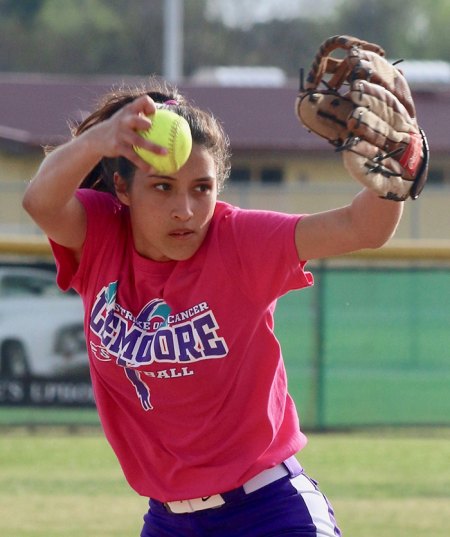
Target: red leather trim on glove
411, 158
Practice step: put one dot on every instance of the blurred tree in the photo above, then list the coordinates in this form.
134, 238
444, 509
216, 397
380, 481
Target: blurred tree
390, 24
126, 36
23, 10
76, 37
138, 46
206, 41
247, 13
296, 42
287, 44
432, 31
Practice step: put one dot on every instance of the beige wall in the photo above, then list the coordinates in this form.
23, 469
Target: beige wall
18, 167
425, 218
312, 185
316, 167
304, 168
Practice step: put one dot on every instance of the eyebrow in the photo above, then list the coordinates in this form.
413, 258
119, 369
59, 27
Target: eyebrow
208, 178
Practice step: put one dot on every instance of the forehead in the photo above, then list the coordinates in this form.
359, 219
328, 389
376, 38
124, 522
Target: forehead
200, 165
200, 158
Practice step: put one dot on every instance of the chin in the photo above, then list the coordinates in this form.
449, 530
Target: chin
183, 256
181, 253
178, 255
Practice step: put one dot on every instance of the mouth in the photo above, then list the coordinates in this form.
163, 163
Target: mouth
181, 233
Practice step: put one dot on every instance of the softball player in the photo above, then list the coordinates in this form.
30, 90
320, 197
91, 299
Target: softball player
179, 292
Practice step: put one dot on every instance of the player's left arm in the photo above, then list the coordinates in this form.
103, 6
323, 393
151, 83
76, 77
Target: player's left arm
363, 105
368, 222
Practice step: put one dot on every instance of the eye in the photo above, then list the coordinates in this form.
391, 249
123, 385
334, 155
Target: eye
164, 187
204, 188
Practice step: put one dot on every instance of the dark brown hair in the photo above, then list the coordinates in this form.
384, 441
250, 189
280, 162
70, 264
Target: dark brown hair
205, 128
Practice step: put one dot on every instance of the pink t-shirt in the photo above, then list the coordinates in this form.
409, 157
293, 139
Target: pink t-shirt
187, 374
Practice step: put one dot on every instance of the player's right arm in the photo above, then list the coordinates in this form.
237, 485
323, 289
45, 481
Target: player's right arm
50, 196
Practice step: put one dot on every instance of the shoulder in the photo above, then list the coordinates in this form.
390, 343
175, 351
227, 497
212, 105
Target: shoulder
103, 210
258, 221
100, 200
257, 247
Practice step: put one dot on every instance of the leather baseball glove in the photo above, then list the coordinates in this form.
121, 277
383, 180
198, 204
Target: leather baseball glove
362, 105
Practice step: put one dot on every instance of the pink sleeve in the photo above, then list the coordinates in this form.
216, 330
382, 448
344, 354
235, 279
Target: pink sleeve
100, 210
266, 260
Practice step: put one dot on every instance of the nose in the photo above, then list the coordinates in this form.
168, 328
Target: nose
182, 208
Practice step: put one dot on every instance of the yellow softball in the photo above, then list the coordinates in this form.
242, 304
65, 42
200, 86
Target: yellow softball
171, 131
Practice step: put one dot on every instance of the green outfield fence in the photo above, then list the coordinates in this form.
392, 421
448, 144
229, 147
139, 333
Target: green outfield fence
368, 345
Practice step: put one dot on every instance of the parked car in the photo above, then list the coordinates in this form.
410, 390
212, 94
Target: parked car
41, 328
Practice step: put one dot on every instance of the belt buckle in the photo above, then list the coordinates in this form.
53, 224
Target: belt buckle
197, 504
176, 508
209, 502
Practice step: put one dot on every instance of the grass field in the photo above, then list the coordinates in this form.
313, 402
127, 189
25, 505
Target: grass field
386, 482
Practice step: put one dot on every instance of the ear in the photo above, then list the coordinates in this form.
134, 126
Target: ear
121, 188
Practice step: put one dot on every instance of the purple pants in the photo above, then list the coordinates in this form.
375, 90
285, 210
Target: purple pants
291, 506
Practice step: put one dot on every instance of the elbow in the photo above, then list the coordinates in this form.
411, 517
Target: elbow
35, 204
379, 239
377, 243
29, 202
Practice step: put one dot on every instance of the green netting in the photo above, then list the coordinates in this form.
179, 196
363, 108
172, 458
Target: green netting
369, 347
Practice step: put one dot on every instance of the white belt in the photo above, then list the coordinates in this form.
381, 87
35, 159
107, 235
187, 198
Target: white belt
208, 502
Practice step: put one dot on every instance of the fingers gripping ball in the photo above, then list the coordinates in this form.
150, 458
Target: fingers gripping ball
171, 131
363, 106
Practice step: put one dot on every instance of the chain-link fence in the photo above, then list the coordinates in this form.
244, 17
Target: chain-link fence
369, 346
